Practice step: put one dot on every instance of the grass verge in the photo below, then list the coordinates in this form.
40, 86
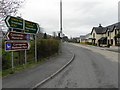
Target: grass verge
21, 68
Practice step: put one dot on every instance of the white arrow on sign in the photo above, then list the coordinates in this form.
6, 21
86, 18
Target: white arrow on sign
28, 45
6, 20
38, 28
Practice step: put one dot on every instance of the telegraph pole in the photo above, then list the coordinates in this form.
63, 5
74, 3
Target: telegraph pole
61, 17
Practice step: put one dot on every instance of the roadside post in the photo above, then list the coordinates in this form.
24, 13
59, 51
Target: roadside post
25, 57
35, 48
12, 62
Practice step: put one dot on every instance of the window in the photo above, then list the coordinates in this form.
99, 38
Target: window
115, 32
111, 41
93, 35
108, 33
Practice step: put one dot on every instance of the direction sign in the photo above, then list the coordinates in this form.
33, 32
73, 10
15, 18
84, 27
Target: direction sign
16, 46
31, 27
17, 36
14, 22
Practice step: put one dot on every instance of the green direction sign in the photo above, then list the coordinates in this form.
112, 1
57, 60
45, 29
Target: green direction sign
14, 22
20, 25
31, 27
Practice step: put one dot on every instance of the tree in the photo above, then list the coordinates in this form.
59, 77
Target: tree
45, 36
8, 7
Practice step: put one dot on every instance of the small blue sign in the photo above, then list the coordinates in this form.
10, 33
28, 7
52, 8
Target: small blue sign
28, 36
8, 46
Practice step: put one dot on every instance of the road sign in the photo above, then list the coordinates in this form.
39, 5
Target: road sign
31, 27
20, 25
16, 46
14, 22
17, 36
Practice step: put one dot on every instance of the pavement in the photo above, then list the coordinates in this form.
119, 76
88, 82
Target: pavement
29, 78
91, 68
112, 48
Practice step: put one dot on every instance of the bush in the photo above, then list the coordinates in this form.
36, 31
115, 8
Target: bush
6, 60
47, 47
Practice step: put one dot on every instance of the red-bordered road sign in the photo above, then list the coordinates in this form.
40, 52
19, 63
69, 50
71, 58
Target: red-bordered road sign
17, 36
16, 46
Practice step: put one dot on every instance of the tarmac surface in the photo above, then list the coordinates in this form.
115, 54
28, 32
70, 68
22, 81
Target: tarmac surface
91, 68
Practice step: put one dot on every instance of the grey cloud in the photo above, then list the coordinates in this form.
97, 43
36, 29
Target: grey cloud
79, 16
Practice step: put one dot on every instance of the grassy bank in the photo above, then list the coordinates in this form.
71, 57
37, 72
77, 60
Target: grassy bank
87, 43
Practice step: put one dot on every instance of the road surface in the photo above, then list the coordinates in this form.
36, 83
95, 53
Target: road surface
91, 68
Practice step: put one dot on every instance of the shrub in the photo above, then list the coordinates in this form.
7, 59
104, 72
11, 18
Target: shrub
47, 47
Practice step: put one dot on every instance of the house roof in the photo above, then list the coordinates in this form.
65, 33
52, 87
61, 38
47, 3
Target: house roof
82, 37
118, 25
111, 27
99, 30
88, 34
102, 30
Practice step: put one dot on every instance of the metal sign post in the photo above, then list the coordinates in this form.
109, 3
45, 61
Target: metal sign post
35, 48
12, 61
25, 57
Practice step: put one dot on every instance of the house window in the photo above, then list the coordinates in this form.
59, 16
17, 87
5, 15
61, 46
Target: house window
108, 33
115, 32
93, 35
111, 41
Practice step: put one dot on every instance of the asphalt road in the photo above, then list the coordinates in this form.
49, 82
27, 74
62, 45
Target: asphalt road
91, 68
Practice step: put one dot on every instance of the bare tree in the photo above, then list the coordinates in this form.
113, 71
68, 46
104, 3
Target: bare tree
8, 7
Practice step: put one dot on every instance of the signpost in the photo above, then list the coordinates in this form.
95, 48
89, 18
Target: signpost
20, 25
31, 27
14, 22
16, 46
18, 41
17, 36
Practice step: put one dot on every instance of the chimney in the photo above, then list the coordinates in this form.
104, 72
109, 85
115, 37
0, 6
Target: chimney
100, 25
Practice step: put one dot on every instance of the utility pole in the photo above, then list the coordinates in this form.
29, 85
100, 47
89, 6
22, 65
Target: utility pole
61, 17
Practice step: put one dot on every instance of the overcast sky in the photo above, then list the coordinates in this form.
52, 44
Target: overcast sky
79, 16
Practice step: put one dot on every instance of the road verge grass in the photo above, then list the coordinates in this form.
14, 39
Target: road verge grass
22, 68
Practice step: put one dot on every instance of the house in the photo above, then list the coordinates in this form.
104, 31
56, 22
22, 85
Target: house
88, 38
112, 31
105, 36
82, 38
75, 40
99, 36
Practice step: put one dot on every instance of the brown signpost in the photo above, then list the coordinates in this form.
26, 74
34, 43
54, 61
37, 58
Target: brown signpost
17, 36
16, 46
